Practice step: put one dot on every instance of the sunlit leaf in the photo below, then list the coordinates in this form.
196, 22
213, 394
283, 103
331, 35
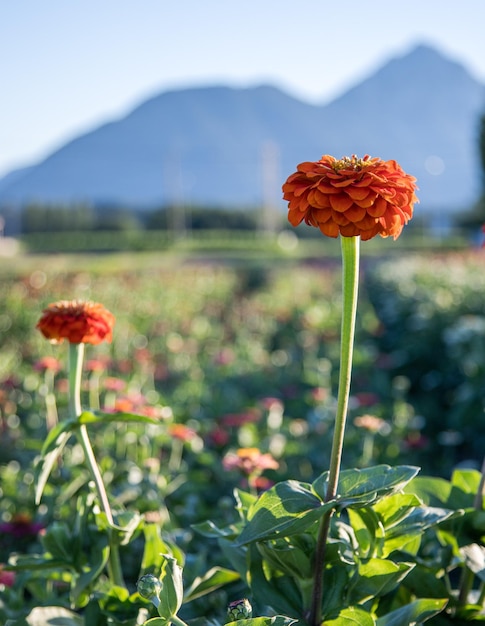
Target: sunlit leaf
277, 620
432, 491
366, 486
417, 612
100, 417
375, 578
352, 616
288, 507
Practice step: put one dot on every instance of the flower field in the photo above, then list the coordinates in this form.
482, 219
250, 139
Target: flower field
235, 366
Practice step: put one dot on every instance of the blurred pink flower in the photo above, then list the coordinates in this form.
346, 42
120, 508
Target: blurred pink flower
110, 383
239, 419
97, 365
47, 363
224, 357
249, 461
371, 423
6, 578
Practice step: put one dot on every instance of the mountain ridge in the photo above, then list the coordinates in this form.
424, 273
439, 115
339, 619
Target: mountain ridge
232, 146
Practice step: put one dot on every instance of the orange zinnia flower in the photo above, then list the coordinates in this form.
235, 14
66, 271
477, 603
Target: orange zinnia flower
351, 196
76, 321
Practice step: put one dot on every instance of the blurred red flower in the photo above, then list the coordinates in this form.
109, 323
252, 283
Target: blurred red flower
76, 321
351, 196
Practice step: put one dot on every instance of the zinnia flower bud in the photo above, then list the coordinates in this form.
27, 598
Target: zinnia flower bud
76, 321
149, 587
351, 196
239, 609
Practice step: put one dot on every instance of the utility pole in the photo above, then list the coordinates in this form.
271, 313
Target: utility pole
271, 187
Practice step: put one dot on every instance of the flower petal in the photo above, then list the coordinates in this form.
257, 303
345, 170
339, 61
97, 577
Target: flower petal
340, 203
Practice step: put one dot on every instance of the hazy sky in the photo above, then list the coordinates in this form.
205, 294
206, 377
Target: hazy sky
69, 65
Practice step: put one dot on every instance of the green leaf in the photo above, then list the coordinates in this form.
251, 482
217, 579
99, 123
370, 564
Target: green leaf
352, 616
288, 558
172, 593
243, 502
60, 542
368, 530
100, 417
419, 520
59, 436
464, 486
155, 547
406, 536
97, 562
270, 588
287, 508
366, 486
210, 530
53, 446
432, 491
214, 579
277, 620
127, 523
335, 583
417, 612
375, 578
53, 615
21, 562
393, 509
425, 582
157, 621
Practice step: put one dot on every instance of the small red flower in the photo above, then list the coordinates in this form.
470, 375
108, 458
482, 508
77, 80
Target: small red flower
76, 321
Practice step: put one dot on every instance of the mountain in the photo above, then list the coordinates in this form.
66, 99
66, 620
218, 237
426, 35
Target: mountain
233, 147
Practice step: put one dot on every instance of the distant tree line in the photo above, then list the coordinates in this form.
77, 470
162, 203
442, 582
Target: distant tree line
51, 218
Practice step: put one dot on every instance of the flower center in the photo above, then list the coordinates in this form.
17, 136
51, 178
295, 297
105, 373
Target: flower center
353, 162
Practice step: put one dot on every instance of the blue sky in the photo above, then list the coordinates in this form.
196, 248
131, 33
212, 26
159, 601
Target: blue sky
69, 65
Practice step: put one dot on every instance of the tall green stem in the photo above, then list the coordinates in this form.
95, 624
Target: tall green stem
350, 289
76, 356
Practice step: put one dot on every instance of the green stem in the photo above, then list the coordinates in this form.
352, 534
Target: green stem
76, 355
350, 288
